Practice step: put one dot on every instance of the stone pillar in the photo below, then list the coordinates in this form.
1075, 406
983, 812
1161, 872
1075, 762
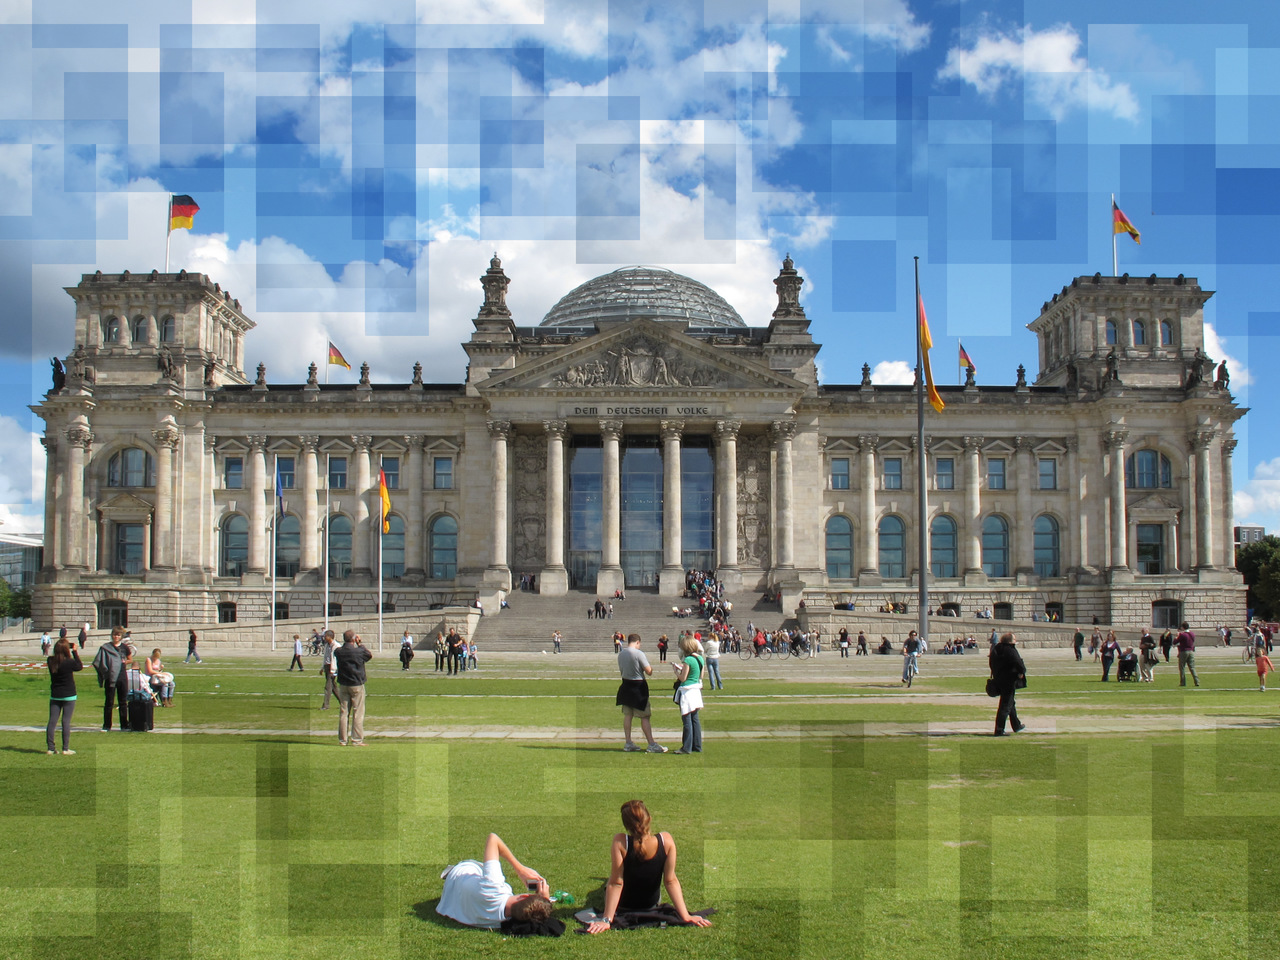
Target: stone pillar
610, 577
1024, 533
414, 568
782, 432
1200, 441
671, 580
166, 437
79, 437
972, 527
499, 434
554, 579
1228, 560
310, 559
52, 511
1115, 440
1073, 538
361, 529
870, 552
727, 501
147, 537
257, 504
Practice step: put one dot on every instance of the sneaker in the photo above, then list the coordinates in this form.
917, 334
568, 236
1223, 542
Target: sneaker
656, 748
357, 743
67, 753
630, 747
51, 752
342, 743
1019, 728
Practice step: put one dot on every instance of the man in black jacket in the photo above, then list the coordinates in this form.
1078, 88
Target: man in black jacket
111, 664
1009, 674
350, 659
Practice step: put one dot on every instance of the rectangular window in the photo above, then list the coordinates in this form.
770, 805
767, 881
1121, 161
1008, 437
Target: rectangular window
285, 466
840, 473
1150, 548
1048, 474
226, 612
337, 473
893, 473
233, 473
995, 473
442, 473
944, 473
129, 548
391, 470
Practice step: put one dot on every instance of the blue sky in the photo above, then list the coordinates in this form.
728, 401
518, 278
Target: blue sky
358, 161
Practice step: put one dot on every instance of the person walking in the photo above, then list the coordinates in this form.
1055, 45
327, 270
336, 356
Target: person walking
84, 634
1009, 674
1110, 650
191, 648
633, 695
663, 642
406, 650
329, 667
1186, 655
862, 645
1147, 658
45, 644
712, 650
688, 695
1261, 661
297, 654
351, 658
1077, 643
471, 656
457, 652
441, 650
110, 663
63, 666
1166, 643
555, 640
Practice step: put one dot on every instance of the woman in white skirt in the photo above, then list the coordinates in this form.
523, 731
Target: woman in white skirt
688, 694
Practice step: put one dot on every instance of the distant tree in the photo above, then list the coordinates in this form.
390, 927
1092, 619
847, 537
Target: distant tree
20, 603
6, 596
1259, 564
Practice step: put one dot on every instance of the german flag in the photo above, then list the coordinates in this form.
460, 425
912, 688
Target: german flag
926, 344
386, 500
182, 212
965, 362
1121, 224
336, 357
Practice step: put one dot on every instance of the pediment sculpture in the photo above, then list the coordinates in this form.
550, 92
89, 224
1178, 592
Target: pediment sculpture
641, 363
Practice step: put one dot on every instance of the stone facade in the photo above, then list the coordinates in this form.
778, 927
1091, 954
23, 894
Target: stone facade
614, 450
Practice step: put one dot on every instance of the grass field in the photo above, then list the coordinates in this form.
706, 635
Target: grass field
832, 814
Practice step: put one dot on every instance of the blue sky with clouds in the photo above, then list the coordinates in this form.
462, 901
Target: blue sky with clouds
358, 161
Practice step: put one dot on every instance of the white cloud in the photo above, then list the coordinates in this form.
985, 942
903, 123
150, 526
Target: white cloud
1048, 63
889, 22
21, 479
1216, 347
893, 371
1259, 501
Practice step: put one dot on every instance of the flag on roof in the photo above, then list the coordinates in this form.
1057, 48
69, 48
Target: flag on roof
336, 357
926, 343
182, 212
1121, 224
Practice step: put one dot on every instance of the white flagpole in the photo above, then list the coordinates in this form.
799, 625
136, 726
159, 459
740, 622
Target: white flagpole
380, 523
922, 507
275, 546
1115, 266
168, 232
325, 528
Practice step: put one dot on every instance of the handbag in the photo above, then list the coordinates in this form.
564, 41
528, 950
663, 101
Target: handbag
1020, 683
992, 689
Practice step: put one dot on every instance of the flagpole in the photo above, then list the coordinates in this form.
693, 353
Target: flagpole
1115, 265
325, 528
168, 232
380, 525
921, 503
275, 546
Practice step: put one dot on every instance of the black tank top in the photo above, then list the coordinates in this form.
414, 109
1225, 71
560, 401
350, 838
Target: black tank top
642, 879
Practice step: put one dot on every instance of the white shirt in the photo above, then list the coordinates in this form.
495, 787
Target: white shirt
297, 646
475, 894
406, 641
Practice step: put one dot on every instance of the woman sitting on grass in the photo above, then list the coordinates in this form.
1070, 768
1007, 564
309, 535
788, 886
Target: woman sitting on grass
642, 862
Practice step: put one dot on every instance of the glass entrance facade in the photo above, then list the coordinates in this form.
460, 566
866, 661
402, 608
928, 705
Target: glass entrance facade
586, 511
697, 504
641, 476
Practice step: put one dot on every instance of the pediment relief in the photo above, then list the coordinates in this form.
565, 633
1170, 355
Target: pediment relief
641, 354
125, 507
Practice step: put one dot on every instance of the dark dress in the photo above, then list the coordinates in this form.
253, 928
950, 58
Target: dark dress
642, 879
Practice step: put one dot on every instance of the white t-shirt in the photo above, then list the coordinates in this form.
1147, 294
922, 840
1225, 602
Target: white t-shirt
475, 893
297, 645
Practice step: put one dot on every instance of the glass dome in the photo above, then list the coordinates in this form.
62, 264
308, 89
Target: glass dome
632, 292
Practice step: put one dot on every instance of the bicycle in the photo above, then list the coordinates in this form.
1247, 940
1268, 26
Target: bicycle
313, 647
911, 669
784, 650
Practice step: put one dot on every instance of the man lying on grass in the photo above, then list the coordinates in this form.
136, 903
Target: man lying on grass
478, 895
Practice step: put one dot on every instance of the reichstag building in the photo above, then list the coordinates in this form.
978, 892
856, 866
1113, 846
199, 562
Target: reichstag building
642, 428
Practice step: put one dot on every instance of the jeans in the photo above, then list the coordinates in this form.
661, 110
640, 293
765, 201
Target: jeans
164, 690
713, 671
63, 708
117, 692
351, 700
691, 732
1187, 661
908, 665
1106, 667
190, 654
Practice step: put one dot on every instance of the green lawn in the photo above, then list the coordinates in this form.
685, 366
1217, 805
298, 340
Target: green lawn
1140, 829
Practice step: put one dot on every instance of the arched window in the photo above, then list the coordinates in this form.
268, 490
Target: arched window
1047, 553
131, 468
1147, 470
339, 547
1139, 333
393, 548
111, 331
235, 546
839, 548
942, 547
1111, 332
1166, 333
288, 547
893, 553
138, 331
443, 548
995, 546
166, 330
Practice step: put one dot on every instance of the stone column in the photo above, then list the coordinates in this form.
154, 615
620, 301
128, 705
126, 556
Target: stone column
1200, 441
310, 559
671, 580
79, 437
52, 509
972, 528
147, 537
1115, 440
361, 529
611, 577
1024, 534
166, 437
727, 497
870, 552
554, 579
782, 432
413, 539
1073, 538
1228, 507
499, 433
257, 504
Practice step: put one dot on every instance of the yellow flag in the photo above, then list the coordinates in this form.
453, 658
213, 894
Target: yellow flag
386, 500
926, 342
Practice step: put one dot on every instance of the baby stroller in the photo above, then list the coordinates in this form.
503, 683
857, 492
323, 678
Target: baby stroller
1128, 667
